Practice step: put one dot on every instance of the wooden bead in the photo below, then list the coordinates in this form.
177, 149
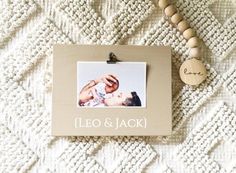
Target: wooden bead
195, 52
183, 25
163, 3
176, 18
193, 42
170, 10
193, 72
188, 33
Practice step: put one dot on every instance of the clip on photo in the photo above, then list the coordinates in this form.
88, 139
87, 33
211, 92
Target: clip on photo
112, 58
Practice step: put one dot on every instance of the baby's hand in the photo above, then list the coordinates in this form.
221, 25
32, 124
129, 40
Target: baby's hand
113, 87
109, 79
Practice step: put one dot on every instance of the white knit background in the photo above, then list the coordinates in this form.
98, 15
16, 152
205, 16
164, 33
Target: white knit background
204, 120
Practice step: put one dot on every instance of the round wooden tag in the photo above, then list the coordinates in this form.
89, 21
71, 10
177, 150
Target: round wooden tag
192, 72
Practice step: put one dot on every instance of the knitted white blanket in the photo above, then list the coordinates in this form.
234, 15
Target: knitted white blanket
204, 120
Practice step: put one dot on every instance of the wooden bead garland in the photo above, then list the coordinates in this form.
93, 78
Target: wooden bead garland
170, 10
176, 18
183, 25
193, 42
188, 33
163, 3
195, 52
192, 71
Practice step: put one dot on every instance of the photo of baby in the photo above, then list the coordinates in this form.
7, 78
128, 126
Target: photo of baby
111, 85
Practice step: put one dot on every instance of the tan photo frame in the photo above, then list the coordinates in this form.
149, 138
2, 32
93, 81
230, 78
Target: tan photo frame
71, 120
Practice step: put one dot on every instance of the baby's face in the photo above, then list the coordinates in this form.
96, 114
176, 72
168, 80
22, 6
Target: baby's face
114, 87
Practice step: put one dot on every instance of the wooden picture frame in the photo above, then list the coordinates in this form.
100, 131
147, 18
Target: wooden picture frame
152, 120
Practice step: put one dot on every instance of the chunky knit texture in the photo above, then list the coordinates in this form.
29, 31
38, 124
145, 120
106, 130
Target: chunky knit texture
13, 17
220, 126
204, 124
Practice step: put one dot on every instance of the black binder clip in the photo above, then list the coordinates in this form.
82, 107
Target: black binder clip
112, 58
